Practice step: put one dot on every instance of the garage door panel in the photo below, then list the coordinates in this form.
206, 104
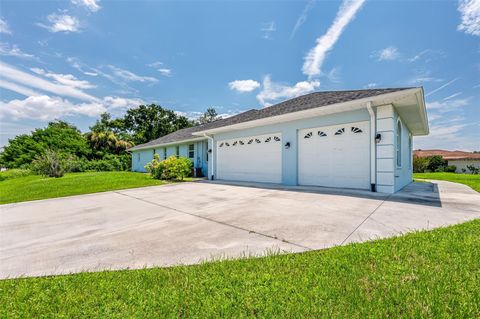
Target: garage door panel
255, 158
335, 156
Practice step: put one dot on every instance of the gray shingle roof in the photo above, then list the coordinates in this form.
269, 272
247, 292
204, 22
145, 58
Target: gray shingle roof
305, 102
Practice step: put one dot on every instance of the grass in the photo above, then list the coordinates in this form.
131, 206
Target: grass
32, 187
468, 179
424, 274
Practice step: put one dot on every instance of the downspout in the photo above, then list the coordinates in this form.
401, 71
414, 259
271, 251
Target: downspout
373, 148
212, 176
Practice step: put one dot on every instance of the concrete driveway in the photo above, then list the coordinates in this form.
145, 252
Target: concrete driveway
190, 222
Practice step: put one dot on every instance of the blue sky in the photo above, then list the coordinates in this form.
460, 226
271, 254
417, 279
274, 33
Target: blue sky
76, 59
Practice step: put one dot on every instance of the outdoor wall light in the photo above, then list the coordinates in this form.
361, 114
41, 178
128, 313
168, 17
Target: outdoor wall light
378, 138
210, 150
287, 145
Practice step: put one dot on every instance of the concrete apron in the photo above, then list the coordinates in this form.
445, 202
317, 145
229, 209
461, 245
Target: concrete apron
189, 223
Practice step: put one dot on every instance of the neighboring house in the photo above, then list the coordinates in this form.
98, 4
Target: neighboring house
349, 139
457, 158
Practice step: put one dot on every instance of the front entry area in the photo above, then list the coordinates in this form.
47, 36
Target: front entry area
335, 156
251, 159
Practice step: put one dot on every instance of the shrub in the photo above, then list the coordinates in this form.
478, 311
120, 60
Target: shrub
451, 169
107, 164
14, 173
51, 164
473, 170
169, 169
435, 162
420, 164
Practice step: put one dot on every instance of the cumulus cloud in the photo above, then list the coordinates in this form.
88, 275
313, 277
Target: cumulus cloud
12, 74
61, 23
14, 51
4, 27
272, 92
316, 56
244, 85
470, 17
91, 5
47, 108
388, 54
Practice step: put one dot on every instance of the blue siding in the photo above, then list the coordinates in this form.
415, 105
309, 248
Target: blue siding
289, 134
403, 174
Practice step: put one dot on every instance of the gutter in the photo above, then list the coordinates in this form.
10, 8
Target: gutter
373, 147
212, 176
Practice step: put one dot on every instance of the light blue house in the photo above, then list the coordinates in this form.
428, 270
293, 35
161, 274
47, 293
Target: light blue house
358, 139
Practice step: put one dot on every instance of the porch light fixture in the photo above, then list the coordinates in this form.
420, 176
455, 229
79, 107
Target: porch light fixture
209, 150
378, 138
287, 145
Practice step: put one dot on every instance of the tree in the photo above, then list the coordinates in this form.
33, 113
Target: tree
210, 115
106, 142
57, 136
148, 122
107, 124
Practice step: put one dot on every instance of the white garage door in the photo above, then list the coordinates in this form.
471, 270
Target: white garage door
335, 156
254, 158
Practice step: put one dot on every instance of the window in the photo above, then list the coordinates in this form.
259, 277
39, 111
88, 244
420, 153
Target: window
241, 142
399, 143
268, 139
154, 152
340, 131
138, 157
234, 143
356, 130
191, 151
250, 142
164, 153
276, 138
321, 134
177, 151
308, 135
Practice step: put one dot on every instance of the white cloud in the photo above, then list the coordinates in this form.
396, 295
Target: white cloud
17, 88
426, 55
470, 17
61, 23
65, 79
165, 72
267, 29
441, 87
130, 76
47, 108
75, 63
316, 56
448, 105
422, 76
272, 92
371, 85
160, 68
29, 80
4, 27
91, 5
303, 17
388, 54
7, 50
244, 85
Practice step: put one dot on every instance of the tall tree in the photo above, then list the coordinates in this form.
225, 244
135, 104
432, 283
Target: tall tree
210, 115
59, 136
148, 122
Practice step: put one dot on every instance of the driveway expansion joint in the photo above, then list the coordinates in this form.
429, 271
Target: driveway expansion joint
217, 222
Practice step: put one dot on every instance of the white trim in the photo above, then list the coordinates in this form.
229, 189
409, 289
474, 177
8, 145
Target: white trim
373, 144
398, 148
382, 99
195, 139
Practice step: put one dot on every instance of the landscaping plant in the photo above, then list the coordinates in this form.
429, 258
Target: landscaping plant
172, 168
51, 164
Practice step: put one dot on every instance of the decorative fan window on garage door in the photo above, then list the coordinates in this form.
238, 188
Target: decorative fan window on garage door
308, 135
356, 130
340, 131
322, 134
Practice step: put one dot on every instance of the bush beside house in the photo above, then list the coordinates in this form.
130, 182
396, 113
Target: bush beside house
172, 168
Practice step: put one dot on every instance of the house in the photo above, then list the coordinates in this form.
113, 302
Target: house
358, 139
457, 158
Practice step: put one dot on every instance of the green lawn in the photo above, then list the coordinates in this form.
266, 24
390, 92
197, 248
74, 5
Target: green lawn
432, 274
33, 187
468, 179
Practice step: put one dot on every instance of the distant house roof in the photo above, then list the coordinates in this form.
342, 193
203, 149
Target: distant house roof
448, 155
304, 102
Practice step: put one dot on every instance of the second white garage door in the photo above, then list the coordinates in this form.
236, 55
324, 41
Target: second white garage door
335, 156
252, 159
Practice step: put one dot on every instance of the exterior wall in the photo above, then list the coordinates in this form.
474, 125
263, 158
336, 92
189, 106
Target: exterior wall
386, 149
140, 158
288, 131
404, 172
463, 164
